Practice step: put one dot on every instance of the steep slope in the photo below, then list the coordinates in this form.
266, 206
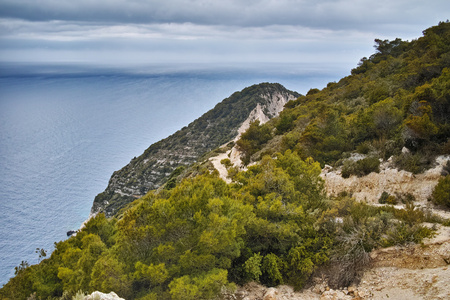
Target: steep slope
214, 128
395, 105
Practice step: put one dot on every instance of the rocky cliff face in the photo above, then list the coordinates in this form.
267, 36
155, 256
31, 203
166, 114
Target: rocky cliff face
218, 126
391, 180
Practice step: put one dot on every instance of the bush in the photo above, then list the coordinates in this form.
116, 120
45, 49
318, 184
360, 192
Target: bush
441, 193
252, 267
251, 141
363, 148
350, 258
385, 198
404, 233
226, 162
406, 198
410, 214
361, 167
415, 163
368, 165
348, 169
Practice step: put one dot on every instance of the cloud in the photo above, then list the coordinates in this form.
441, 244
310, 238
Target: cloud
75, 30
338, 14
208, 30
174, 42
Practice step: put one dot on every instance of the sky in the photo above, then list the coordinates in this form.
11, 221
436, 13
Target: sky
322, 33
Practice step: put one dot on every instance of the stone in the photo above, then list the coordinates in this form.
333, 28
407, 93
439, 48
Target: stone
102, 296
339, 295
271, 294
351, 289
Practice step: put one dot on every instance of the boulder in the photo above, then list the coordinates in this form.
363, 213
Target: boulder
101, 296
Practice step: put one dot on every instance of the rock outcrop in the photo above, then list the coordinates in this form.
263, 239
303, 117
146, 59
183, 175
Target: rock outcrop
391, 180
102, 296
220, 125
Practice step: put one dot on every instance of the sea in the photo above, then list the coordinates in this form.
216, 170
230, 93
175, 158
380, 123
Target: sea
65, 128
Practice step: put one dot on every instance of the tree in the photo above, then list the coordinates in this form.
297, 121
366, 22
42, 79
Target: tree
386, 48
206, 286
23, 265
252, 139
386, 117
108, 275
419, 129
41, 252
252, 267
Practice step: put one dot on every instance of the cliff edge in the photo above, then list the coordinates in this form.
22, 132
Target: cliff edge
216, 127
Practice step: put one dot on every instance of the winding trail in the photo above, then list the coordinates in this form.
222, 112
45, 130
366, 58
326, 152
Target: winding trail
223, 173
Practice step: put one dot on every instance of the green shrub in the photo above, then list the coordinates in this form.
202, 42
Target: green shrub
410, 214
226, 162
441, 193
385, 198
368, 165
446, 168
406, 198
391, 200
404, 233
363, 148
285, 122
272, 266
414, 163
252, 267
348, 169
361, 167
253, 139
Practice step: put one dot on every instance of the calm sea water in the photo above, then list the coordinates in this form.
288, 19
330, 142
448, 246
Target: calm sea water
64, 130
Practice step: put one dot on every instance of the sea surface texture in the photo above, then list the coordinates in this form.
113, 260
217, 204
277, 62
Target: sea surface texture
64, 131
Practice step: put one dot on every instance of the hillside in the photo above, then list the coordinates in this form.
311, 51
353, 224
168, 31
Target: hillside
274, 221
397, 99
216, 127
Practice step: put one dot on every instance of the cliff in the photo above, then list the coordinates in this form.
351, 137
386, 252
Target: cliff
216, 127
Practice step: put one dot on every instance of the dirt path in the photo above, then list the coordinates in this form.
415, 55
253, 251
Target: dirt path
223, 173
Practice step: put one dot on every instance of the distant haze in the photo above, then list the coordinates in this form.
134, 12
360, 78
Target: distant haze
124, 32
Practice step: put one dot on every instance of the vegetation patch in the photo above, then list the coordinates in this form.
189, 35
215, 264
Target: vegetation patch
273, 225
360, 167
441, 193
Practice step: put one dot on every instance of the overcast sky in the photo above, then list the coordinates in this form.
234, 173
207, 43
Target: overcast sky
321, 32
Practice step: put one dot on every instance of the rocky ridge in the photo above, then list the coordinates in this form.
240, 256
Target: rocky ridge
257, 114
220, 125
